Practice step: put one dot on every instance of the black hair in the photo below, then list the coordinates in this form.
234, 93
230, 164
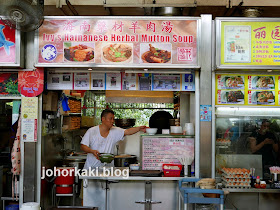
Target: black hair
106, 111
265, 121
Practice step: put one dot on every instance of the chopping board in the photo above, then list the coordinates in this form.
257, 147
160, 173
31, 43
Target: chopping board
153, 173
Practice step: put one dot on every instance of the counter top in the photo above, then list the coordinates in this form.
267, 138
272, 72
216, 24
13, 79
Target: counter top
166, 136
132, 178
252, 190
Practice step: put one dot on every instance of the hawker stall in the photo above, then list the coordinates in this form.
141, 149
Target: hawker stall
245, 93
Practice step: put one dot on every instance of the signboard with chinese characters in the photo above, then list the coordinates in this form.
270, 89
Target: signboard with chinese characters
9, 45
248, 44
126, 41
157, 151
247, 89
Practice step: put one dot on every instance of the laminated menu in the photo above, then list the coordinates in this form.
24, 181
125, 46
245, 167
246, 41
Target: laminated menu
158, 151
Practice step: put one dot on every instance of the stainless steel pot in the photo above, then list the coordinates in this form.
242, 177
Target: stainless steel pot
125, 123
124, 160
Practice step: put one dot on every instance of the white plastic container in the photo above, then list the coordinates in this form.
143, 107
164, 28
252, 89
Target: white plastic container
165, 131
189, 129
176, 129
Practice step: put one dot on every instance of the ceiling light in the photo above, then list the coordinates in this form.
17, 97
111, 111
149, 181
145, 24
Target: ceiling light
90, 69
269, 70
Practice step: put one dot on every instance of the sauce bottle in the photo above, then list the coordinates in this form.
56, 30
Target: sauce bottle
257, 184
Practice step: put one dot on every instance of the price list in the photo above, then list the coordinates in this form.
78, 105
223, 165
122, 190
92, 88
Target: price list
157, 151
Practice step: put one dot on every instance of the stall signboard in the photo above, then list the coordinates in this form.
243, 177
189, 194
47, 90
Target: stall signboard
243, 43
123, 41
29, 119
247, 90
31, 83
120, 81
9, 45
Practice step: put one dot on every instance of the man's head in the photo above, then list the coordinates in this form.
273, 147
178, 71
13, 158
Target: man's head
265, 126
107, 117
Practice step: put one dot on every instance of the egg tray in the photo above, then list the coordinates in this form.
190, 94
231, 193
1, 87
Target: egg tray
223, 143
228, 185
239, 180
233, 173
236, 175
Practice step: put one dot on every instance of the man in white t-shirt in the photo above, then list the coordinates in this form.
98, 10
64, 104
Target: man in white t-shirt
102, 138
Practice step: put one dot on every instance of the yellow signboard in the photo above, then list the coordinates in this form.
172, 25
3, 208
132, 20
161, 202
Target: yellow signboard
247, 90
250, 43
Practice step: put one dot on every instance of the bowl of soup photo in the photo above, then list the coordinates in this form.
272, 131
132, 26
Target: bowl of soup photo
117, 53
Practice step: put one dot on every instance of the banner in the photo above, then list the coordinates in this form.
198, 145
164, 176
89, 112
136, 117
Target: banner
122, 41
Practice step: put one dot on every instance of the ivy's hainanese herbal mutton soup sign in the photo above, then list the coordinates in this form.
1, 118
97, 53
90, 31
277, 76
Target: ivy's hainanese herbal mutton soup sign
143, 42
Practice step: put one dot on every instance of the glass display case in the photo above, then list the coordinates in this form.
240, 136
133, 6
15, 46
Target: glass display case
247, 138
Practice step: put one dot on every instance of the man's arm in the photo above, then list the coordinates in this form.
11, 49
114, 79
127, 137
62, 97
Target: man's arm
255, 147
87, 149
134, 130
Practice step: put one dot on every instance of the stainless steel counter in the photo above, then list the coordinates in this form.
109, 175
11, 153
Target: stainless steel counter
132, 178
252, 190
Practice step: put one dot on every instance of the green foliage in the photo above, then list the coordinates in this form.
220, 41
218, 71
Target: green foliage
12, 86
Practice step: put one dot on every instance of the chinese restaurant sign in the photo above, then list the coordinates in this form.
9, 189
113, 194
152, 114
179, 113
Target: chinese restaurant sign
250, 43
130, 42
31, 83
7, 44
249, 90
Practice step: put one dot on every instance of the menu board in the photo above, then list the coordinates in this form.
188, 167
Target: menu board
250, 90
103, 41
250, 43
157, 151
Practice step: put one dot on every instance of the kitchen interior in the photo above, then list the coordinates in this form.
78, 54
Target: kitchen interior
62, 130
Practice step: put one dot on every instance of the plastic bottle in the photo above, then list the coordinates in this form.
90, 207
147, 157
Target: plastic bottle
257, 184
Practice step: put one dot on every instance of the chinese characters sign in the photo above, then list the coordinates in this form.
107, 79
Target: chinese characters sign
250, 43
130, 42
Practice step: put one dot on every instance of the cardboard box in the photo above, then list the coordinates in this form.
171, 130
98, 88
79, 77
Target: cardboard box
50, 101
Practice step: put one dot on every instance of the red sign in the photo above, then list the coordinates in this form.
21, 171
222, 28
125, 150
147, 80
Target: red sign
128, 41
31, 83
7, 44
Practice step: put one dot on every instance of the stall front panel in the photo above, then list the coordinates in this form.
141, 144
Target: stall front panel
154, 42
9, 46
247, 43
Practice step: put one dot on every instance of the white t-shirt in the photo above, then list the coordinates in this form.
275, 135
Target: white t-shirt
95, 141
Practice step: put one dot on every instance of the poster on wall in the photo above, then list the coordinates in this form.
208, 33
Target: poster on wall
97, 81
237, 44
261, 82
251, 90
113, 81
7, 44
248, 43
81, 81
29, 116
9, 84
226, 82
59, 81
145, 81
188, 82
129, 81
261, 97
167, 82
103, 41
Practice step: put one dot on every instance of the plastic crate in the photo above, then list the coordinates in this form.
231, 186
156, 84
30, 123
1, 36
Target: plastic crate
171, 172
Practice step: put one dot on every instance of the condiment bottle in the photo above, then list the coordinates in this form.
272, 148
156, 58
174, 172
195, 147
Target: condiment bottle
257, 184
263, 184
